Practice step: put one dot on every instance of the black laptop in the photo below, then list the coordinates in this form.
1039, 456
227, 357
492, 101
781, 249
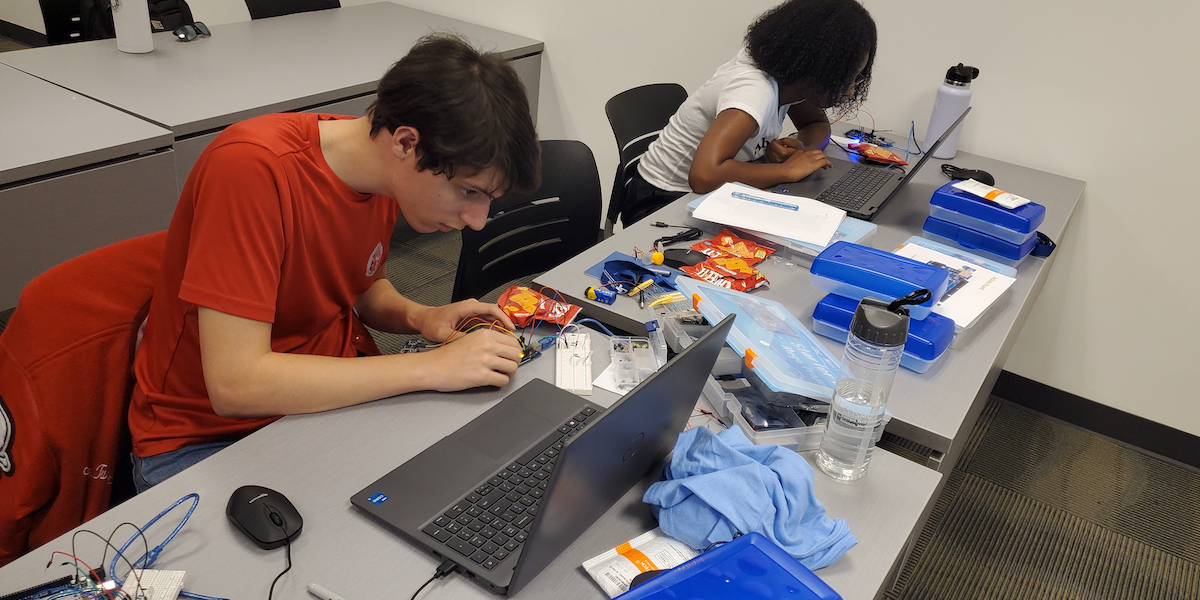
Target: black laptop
857, 188
508, 492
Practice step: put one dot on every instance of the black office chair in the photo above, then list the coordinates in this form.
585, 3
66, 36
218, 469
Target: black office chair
262, 9
530, 235
637, 116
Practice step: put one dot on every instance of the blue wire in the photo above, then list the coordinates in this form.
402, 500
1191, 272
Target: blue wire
596, 323
152, 555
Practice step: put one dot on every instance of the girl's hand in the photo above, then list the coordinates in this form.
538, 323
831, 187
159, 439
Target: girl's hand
803, 163
779, 150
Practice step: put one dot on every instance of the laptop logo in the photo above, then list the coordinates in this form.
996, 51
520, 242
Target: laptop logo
378, 499
632, 450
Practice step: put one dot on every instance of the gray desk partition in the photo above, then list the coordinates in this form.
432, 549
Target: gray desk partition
75, 175
936, 409
319, 461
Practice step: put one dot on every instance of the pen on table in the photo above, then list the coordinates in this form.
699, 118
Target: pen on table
322, 593
775, 203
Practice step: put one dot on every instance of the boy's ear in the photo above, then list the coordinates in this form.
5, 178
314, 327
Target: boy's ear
404, 141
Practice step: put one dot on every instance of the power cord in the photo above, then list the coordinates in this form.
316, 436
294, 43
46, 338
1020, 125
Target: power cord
287, 541
447, 567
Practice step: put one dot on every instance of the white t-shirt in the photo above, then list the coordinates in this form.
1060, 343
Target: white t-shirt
736, 84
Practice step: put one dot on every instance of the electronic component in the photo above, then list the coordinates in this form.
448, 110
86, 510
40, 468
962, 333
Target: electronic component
600, 294
574, 356
633, 360
153, 584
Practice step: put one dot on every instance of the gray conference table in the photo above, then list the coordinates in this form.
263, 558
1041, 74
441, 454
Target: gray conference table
72, 177
936, 409
319, 461
327, 61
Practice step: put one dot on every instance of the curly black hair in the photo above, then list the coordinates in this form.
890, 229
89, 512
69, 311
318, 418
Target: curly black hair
469, 107
820, 43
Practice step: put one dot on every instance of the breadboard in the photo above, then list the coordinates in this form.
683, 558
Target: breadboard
574, 353
151, 584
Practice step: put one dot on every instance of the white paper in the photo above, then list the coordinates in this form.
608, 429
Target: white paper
972, 287
802, 219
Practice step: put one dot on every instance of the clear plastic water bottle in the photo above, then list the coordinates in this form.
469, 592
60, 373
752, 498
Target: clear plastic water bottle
869, 362
953, 97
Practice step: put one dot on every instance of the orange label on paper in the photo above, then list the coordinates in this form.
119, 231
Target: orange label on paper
639, 560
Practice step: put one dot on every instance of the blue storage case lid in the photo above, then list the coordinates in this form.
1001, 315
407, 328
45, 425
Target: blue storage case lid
749, 567
889, 275
1022, 219
787, 356
927, 338
974, 240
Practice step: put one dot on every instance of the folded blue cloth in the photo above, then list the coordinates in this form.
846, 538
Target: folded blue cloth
717, 485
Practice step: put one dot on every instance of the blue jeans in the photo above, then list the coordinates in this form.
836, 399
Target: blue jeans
153, 470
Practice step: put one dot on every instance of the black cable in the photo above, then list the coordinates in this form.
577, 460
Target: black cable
950, 170
287, 541
447, 567
687, 235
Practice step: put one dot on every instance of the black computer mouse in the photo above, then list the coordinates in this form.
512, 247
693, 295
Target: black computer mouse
682, 257
264, 515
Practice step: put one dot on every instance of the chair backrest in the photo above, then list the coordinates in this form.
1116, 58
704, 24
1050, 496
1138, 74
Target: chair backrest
637, 116
262, 9
535, 233
65, 382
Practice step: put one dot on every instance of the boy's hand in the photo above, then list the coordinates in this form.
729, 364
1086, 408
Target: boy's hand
805, 162
780, 149
482, 357
438, 322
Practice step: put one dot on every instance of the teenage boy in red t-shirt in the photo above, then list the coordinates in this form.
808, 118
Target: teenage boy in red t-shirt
279, 241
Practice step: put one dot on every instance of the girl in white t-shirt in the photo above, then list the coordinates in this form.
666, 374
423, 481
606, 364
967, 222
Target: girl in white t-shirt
800, 58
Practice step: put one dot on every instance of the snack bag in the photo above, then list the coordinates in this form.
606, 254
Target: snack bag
877, 154
729, 272
524, 306
728, 243
652, 551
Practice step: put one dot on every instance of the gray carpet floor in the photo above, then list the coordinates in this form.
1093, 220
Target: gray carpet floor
1035, 508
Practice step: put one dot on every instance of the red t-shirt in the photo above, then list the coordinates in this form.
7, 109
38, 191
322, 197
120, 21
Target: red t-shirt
263, 230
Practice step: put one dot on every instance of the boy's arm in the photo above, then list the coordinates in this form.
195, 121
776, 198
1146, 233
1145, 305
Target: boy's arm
384, 309
714, 163
246, 378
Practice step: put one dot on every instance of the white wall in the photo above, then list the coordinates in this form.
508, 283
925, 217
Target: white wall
26, 13
1093, 90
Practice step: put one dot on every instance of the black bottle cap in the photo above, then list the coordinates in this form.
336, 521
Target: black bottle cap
960, 74
876, 324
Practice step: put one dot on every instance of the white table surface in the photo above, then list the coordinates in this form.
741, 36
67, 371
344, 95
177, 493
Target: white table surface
254, 67
47, 129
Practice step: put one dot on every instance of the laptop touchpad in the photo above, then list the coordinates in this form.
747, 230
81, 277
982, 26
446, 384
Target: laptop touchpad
507, 429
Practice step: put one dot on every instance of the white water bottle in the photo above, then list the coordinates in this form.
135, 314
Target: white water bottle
953, 97
869, 363
131, 20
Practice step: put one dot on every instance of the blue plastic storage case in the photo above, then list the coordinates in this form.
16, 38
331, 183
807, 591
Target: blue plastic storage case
787, 357
1015, 225
927, 339
749, 567
981, 243
857, 271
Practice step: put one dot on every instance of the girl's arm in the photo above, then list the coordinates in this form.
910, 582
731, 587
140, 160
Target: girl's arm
714, 163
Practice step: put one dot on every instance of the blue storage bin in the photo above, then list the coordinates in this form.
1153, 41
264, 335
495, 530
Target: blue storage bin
927, 340
784, 354
994, 248
857, 271
1015, 225
750, 566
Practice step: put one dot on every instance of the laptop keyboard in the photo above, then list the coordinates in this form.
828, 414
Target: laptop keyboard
855, 188
491, 522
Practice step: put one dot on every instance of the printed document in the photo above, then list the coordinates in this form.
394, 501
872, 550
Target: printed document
972, 287
803, 219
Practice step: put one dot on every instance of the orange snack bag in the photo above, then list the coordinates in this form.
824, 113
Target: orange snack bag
729, 272
524, 306
728, 243
877, 154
